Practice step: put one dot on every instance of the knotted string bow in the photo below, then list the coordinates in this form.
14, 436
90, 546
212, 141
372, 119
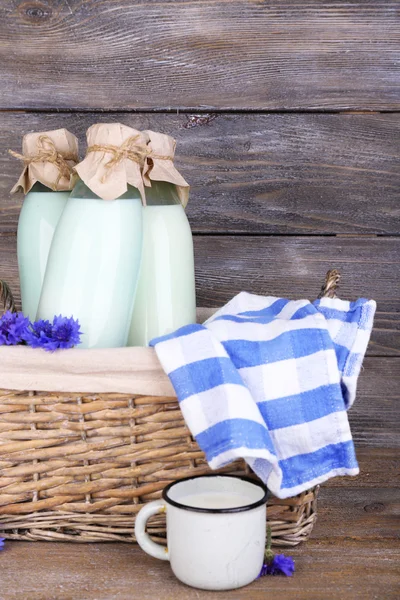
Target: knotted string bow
47, 152
129, 150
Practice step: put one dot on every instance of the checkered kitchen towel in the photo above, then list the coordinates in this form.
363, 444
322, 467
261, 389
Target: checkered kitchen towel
269, 380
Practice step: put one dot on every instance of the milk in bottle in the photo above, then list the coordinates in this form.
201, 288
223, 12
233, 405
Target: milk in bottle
94, 261
46, 180
166, 298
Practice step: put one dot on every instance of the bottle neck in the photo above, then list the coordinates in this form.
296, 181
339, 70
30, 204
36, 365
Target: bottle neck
161, 193
40, 188
82, 192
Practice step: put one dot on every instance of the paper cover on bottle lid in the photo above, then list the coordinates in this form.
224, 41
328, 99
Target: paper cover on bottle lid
114, 159
49, 157
159, 164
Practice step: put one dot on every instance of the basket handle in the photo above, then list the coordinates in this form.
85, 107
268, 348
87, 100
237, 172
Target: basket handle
331, 284
6, 298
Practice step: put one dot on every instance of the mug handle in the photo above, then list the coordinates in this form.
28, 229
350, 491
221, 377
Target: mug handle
143, 538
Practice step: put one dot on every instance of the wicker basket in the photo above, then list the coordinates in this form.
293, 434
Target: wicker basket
78, 467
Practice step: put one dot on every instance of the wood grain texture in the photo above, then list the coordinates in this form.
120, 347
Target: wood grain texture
286, 266
270, 174
279, 266
379, 468
225, 54
358, 513
330, 569
294, 266
375, 415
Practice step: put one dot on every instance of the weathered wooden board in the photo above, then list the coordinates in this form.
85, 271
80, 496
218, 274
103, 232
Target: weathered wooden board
225, 54
379, 468
372, 512
287, 266
283, 266
375, 415
293, 267
325, 568
270, 174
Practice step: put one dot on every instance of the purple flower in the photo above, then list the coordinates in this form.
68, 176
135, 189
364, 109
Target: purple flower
13, 328
62, 333
276, 564
66, 332
280, 564
2, 543
40, 334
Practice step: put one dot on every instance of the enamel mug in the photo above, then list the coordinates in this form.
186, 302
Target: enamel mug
216, 528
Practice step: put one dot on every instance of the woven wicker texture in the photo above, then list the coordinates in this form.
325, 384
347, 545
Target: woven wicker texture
79, 467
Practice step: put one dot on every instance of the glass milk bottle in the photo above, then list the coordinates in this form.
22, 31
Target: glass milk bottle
166, 298
94, 261
46, 180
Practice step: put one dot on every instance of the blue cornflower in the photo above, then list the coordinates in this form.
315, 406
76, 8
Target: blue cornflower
2, 543
280, 564
13, 328
66, 332
62, 333
40, 334
276, 564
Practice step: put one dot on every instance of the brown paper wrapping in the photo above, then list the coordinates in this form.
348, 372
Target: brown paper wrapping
114, 159
49, 157
159, 164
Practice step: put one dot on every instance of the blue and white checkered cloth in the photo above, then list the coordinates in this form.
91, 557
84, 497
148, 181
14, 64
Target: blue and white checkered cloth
269, 380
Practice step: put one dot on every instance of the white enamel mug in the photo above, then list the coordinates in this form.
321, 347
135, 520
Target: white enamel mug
216, 527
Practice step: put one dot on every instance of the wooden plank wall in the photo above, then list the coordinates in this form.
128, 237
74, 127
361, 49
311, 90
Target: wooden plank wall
287, 121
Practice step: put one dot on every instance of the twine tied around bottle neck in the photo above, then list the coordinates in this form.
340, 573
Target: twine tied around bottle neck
47, 152
129, 150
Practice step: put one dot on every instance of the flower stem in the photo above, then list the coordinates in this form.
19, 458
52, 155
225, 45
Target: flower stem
269, 554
